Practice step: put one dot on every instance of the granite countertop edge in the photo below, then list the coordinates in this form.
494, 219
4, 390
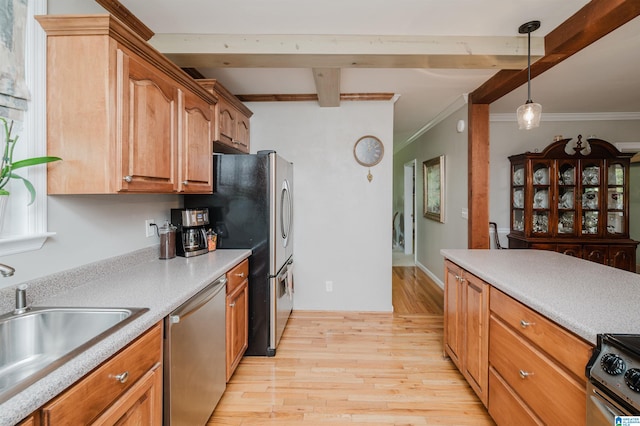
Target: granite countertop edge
584, 297
136, 280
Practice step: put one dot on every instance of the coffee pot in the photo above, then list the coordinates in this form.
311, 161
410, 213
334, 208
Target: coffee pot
191, 234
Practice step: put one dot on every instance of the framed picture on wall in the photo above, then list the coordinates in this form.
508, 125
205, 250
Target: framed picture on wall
433, 174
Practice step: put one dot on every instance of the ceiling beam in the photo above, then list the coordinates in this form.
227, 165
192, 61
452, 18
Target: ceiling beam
346, 51
294, 97
327, 86
595, 20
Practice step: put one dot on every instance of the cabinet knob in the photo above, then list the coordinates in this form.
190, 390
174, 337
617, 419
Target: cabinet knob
525, 324
185, 182
241, 275
128, 179
525, 374
122, 377
231, 305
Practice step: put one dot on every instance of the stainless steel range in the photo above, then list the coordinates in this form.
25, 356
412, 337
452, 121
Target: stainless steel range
613, 371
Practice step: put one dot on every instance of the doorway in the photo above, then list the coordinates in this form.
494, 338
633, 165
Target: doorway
410, 208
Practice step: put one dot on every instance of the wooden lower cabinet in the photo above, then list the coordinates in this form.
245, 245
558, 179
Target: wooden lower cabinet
467, 326
124, 390
535, 364
526, 369
237, 315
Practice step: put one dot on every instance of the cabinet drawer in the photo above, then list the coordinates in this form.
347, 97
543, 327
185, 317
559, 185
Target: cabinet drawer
569, 350
237, 275
504, 405
91, 395
546, 388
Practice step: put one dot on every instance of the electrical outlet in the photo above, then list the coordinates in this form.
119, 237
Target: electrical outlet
329, 286
150, 231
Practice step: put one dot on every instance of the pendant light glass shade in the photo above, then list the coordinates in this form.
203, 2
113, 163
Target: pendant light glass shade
529, 115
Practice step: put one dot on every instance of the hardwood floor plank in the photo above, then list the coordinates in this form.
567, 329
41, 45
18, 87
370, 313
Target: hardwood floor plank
356, 368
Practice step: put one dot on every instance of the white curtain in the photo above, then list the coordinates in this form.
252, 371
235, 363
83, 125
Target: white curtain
14, 93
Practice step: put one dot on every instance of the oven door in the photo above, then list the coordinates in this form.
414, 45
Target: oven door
601, 409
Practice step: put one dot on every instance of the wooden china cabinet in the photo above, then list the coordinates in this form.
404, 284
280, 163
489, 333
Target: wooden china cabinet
573, 198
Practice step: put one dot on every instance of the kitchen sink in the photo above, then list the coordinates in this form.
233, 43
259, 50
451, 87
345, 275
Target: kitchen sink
38, 341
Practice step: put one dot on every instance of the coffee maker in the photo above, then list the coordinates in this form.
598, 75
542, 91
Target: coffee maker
191, 235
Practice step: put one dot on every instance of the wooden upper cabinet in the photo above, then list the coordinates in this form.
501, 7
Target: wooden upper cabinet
196, 163
232, 132
121, 115
149, 103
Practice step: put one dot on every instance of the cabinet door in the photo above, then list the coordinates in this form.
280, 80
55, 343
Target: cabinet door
476, 334
596, 253
148, 142
623, 257
196, 146
453, 314
574, 250
140, 405
243, 133
104, 386
226, 131
542, 198
237, 326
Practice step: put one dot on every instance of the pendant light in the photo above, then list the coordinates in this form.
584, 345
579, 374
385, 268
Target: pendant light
529, 113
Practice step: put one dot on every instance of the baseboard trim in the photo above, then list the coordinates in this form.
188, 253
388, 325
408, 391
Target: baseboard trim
430, 274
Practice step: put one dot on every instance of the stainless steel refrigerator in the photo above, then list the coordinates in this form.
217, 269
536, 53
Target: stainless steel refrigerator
252, 207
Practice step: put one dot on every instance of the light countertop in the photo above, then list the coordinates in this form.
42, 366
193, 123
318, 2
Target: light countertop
147, 282
582, 296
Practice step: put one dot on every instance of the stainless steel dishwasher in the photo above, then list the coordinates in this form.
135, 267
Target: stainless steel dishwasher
194, 357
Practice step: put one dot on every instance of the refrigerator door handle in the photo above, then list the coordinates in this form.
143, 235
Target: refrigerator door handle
286, 214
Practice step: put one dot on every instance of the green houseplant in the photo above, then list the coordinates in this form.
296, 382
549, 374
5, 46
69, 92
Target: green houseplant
7, 166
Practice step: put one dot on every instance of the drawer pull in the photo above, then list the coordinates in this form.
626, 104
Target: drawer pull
241, 275
122, 377
525, 324
231, 305
525, 374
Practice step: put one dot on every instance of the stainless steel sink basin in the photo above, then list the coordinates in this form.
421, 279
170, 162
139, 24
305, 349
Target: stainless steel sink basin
36, 342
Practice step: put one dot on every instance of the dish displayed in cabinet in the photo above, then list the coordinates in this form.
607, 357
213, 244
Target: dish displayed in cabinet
541, 177
518, 198
518, 177
541, 199
591, 175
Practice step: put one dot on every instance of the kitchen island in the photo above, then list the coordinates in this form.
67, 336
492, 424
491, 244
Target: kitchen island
136, 280
520, 325
583, 297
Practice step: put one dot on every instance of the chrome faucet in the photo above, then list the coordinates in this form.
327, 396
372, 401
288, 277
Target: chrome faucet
21, 300
6, 270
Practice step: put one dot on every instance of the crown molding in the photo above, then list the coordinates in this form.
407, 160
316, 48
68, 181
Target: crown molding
586, 116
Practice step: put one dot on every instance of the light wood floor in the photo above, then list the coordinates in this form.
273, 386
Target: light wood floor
344, 368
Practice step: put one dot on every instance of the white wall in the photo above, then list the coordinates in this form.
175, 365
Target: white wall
90, 228
342, 223
431, 236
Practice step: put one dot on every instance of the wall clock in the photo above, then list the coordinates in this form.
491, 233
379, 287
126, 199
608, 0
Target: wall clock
368, 152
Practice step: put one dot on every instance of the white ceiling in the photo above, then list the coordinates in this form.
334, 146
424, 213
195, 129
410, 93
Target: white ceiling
601, 78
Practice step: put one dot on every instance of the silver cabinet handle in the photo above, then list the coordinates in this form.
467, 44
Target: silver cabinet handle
525, 374
122, 377
241, 275
525, 324
128, 179
185, 182
231, 305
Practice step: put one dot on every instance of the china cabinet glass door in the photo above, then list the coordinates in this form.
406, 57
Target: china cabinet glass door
566, 191
518, 178
541, 197
591, 179
615, 199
